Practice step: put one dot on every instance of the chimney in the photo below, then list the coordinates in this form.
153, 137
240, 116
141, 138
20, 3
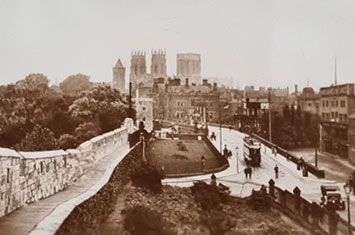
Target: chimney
215, 86
186, 82
296, 90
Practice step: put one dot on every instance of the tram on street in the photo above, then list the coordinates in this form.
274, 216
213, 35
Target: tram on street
252, 155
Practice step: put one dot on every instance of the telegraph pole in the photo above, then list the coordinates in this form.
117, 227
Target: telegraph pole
270, 136
130, 100
220, 129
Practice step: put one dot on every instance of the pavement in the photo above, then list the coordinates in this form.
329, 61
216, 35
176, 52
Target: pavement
27, 218
289, 176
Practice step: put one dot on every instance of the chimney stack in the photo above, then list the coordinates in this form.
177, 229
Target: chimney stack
186, 82
215, 86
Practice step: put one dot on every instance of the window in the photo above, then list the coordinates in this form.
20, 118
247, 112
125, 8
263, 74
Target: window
326, 103
143, 108
42, 168
342, 103
8, 175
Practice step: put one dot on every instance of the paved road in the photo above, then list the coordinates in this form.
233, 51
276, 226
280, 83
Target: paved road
335, 167
289, 176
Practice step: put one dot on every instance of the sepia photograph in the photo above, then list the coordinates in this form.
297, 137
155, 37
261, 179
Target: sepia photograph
177, 117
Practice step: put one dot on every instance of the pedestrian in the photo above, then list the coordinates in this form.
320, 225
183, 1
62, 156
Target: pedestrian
246, 172
203, 162
351, 182
263, 189
225, 151
250, 171
162, 171
274, 151
276, 169
229, 154
213, 180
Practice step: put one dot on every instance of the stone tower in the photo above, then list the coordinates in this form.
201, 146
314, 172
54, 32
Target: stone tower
119, 77
158, 65
138, 67
189, 66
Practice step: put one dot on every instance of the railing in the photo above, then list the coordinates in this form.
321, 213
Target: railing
311, 215
283, 152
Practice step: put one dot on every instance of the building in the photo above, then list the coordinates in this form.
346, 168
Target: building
158, 65
138, 72
188, 65
309, 101
185, 103
145, 112
119, 77
337, 129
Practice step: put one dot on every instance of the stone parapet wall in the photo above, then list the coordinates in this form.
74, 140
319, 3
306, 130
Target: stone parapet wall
26, 177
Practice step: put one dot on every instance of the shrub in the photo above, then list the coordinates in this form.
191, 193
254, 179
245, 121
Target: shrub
217, 221
141, 220
208, 196
259, 201
147, 177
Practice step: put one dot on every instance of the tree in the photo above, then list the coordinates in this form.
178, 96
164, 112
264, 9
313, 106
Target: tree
75, 84
86, 131
67, 141
40, 139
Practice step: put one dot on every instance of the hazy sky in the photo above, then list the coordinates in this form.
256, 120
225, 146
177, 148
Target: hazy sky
275, 43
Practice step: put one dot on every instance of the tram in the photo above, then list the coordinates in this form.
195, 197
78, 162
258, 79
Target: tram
252, 156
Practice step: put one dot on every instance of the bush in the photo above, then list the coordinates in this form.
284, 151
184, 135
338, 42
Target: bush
148, 177
259, 201
208, 196
217, 221
141, 220
39, 139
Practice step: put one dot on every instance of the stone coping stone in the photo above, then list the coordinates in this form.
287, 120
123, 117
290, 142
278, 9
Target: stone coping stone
5, 152
44, 154
85, 145
73, 151
97, 138
109, 134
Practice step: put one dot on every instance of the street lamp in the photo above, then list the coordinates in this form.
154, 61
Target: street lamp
237, 159
347, 189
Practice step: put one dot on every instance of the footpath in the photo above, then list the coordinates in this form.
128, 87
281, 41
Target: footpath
44, 216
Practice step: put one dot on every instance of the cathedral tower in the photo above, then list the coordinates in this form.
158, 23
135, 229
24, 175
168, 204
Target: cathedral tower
119, 77
138, 67
158, 65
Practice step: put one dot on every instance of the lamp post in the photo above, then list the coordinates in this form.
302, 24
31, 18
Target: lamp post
237, 159
220, 128
347, 188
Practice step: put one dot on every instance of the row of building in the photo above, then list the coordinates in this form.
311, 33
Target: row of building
187, 97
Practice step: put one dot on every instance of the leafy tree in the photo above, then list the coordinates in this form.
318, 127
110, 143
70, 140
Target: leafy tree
86, 131
40, 139
67, 141
75, 84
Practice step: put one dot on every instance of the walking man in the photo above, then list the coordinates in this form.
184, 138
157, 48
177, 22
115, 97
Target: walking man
213, 180
276, 169
225, 151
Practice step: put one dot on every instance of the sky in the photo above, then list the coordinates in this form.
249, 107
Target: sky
275, 43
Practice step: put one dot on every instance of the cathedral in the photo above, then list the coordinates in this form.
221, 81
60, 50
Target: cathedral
188, 66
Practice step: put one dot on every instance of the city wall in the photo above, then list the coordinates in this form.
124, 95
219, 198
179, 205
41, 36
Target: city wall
26, 177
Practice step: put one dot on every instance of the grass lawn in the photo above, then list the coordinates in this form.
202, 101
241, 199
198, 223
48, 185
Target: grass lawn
182, 156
